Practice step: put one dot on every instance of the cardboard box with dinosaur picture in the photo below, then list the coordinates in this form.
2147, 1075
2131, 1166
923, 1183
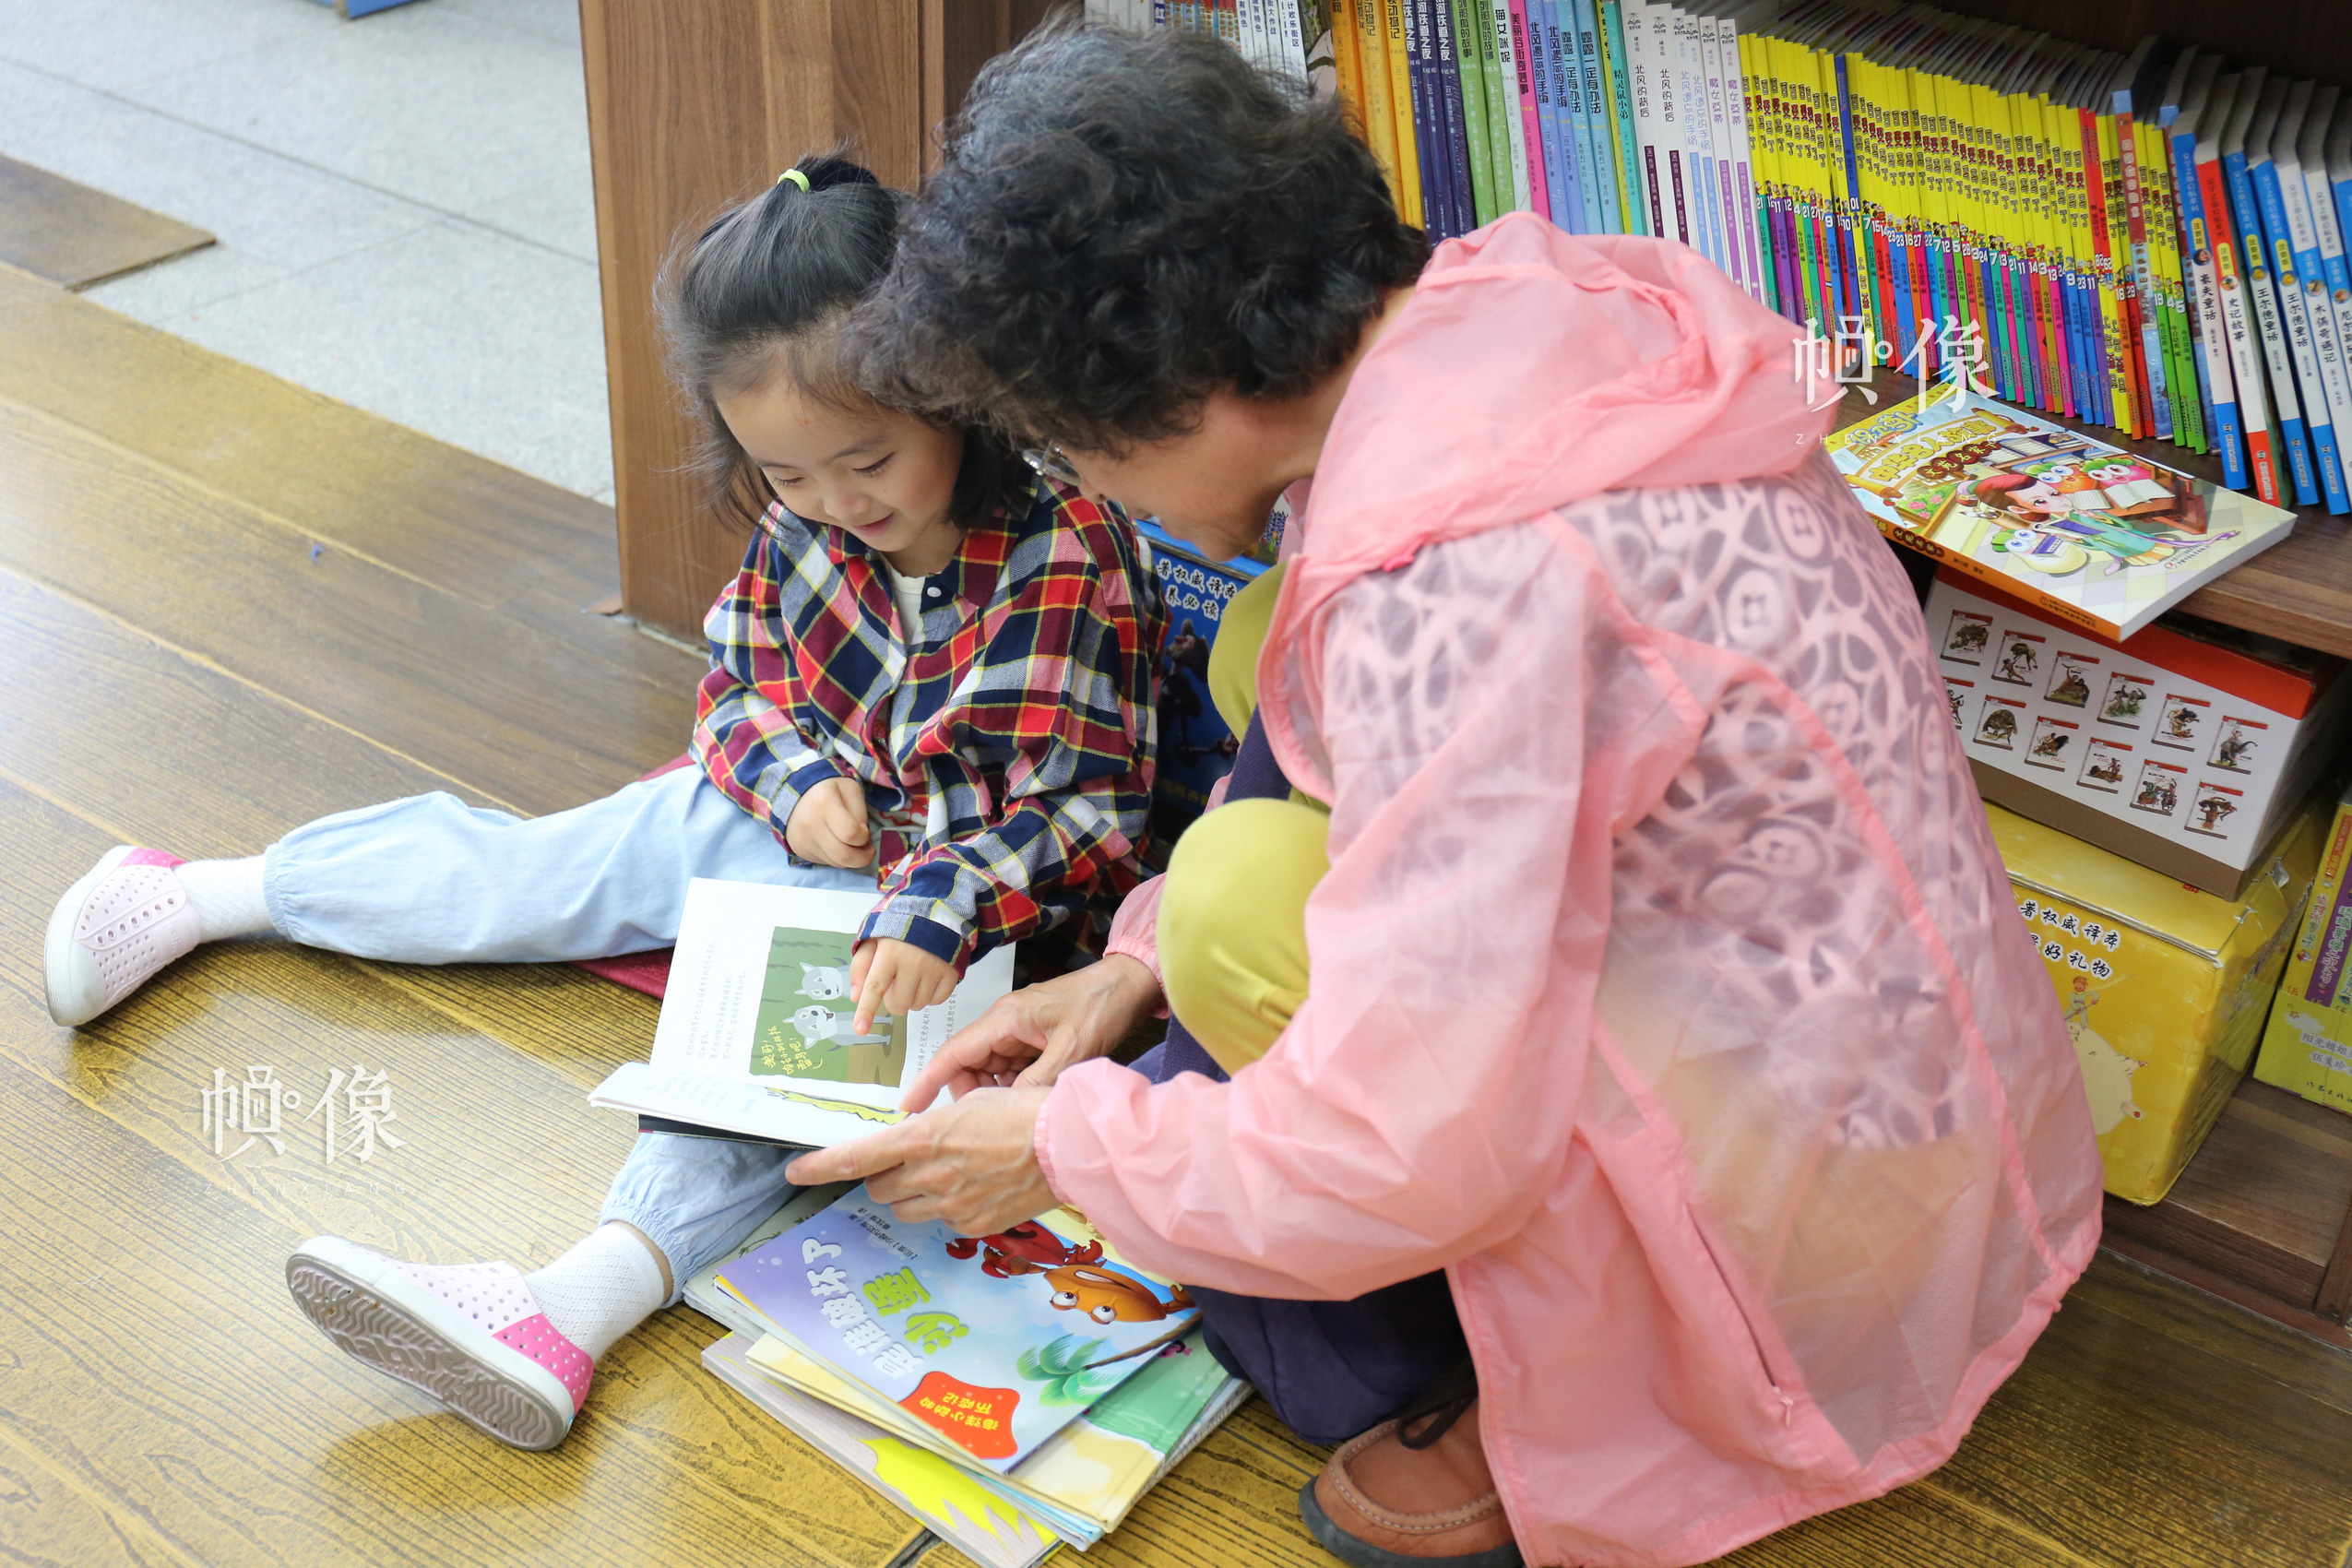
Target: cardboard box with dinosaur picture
2185, 748
2165, 987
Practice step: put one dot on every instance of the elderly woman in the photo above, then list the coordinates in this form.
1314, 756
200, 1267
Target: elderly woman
1611, 1090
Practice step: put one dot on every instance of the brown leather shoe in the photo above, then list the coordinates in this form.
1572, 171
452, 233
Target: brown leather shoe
1411, 1493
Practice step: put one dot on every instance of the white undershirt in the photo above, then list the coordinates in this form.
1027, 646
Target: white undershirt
908, 592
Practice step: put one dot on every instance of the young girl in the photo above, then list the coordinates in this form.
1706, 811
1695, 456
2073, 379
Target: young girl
934, 669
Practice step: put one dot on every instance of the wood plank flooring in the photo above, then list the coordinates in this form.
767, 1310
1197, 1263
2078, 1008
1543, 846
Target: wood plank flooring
181, 669
71, 235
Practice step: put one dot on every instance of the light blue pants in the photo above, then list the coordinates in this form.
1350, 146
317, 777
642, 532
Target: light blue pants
431, 880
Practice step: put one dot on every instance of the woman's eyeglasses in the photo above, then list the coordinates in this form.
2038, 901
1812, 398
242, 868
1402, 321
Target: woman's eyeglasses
1053, 463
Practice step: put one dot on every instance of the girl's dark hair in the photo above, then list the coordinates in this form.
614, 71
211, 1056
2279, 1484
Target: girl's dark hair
1122, 224
765, 288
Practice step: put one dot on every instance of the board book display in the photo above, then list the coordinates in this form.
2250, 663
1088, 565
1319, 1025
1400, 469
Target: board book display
2092, 536
2184, 752
1060, 1413
757, 1035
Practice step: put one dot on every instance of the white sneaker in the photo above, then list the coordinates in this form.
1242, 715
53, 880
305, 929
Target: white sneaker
113, 930
471, 1334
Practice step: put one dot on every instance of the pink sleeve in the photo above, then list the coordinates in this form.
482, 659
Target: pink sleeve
1134, 929
1424, 1099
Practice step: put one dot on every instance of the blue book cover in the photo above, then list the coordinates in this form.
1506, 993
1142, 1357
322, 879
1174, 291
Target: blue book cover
2245, 211
994, 1342
1435, 206
1542, 42
2303, 288
2295, 328
1456, 132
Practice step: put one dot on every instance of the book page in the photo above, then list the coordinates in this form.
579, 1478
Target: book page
759, 994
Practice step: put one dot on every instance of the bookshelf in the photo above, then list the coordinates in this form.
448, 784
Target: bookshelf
2263, 1214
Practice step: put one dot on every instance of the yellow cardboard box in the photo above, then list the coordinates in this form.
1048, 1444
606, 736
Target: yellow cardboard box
2308, 1047
2165, 987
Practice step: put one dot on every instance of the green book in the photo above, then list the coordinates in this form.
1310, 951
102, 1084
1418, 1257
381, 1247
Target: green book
1471, 72
1502, 106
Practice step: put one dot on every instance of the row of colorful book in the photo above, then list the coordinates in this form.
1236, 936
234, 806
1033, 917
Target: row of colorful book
2150, 240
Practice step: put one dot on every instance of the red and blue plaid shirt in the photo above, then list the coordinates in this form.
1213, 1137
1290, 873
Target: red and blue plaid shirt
1005, 748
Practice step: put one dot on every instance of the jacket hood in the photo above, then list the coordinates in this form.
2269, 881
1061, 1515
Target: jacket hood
1533, 368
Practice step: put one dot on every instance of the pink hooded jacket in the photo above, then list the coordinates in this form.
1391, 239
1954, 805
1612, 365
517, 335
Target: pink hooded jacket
1667, 990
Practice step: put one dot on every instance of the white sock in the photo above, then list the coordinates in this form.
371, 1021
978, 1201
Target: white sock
604, 1287
227, 898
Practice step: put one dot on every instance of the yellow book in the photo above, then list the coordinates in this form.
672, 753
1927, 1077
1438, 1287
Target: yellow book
1366, 51
1346, 66
1400, 106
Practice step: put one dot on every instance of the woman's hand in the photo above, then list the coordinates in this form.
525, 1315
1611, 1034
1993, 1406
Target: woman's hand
1027, 1037
886, 973
828, 825
972, 1164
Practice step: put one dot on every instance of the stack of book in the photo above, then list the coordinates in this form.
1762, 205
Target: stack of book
2152, 241
1012, 1392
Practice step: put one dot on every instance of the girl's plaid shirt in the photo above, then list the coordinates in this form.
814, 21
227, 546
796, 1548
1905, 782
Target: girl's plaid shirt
1005, 749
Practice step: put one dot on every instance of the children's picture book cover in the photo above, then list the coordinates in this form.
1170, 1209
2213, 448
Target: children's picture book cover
996, 1342
981, 1524
2099, 537
758, 1032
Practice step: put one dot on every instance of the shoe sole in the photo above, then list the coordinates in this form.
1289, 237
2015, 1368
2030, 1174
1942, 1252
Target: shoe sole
345, 1296
57, 946
1363, 1554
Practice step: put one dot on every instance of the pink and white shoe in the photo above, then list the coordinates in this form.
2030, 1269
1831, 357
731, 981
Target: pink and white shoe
113, 929
470, 1336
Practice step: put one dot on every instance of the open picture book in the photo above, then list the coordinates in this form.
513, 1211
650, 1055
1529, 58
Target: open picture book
757, 1036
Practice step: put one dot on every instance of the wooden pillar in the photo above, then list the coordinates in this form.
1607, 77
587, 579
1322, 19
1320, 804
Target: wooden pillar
691, 106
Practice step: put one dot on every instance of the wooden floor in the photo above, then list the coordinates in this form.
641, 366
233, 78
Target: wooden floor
75, 236
228, 606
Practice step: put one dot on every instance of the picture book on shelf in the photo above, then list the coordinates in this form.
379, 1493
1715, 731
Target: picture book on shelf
2099, 537
757, 1035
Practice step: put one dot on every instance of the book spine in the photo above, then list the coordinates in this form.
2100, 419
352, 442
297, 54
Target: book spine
1451, 106
2303, 292
1623, 149
1698, 145
1366, 20
2156, 399
1506, 88
1581, 45
2335, 275
1650, 192
2253, 258
1540, 47
1748, 214
1569, 205
2238, 328
1419, 112
1457, 41
1523, 48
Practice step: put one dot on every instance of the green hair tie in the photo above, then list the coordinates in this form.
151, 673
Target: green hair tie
795, 176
